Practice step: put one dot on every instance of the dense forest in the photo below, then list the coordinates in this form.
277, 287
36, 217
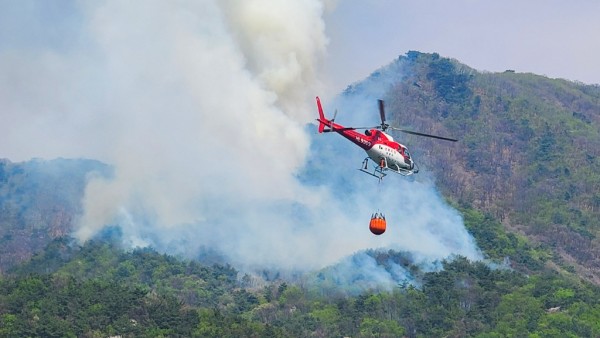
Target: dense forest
99, 290
524, 177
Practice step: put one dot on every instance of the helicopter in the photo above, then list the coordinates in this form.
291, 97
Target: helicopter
381, 148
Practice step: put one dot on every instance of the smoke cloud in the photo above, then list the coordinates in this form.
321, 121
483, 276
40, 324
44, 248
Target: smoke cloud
202, 108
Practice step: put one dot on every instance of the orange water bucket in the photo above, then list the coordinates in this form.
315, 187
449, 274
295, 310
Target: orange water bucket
377, 224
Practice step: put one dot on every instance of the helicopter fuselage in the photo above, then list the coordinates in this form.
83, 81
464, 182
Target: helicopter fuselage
379, 146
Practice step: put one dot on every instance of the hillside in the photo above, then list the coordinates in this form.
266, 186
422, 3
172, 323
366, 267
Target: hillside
524, 177
528, 157
39, 201
98, 290
528, 153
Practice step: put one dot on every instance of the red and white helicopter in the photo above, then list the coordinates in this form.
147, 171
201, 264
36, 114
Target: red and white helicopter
380, 146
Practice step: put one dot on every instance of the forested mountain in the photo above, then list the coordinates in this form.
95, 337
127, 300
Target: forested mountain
524, 175
529, 151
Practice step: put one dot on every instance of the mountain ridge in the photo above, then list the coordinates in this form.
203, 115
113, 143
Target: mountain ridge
528, 152
512, 129
530, 214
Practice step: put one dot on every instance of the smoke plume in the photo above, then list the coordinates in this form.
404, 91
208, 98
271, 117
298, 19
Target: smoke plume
202, 108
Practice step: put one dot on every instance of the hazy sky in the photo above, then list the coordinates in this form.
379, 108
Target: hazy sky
555, 38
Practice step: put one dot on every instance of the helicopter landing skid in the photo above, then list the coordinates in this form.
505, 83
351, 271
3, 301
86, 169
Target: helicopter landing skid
379, 170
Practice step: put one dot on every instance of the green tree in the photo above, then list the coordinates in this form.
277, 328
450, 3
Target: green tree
370, 327
518, 313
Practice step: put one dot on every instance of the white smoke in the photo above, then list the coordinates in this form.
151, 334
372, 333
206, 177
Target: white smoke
195, 122
201, 108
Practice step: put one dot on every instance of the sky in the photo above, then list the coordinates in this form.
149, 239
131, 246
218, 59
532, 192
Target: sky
546, 37
204, 109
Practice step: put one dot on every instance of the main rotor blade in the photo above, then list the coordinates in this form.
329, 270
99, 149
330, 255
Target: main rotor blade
426, 135
381, 111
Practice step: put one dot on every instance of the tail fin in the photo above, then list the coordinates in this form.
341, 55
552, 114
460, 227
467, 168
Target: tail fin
322, 120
